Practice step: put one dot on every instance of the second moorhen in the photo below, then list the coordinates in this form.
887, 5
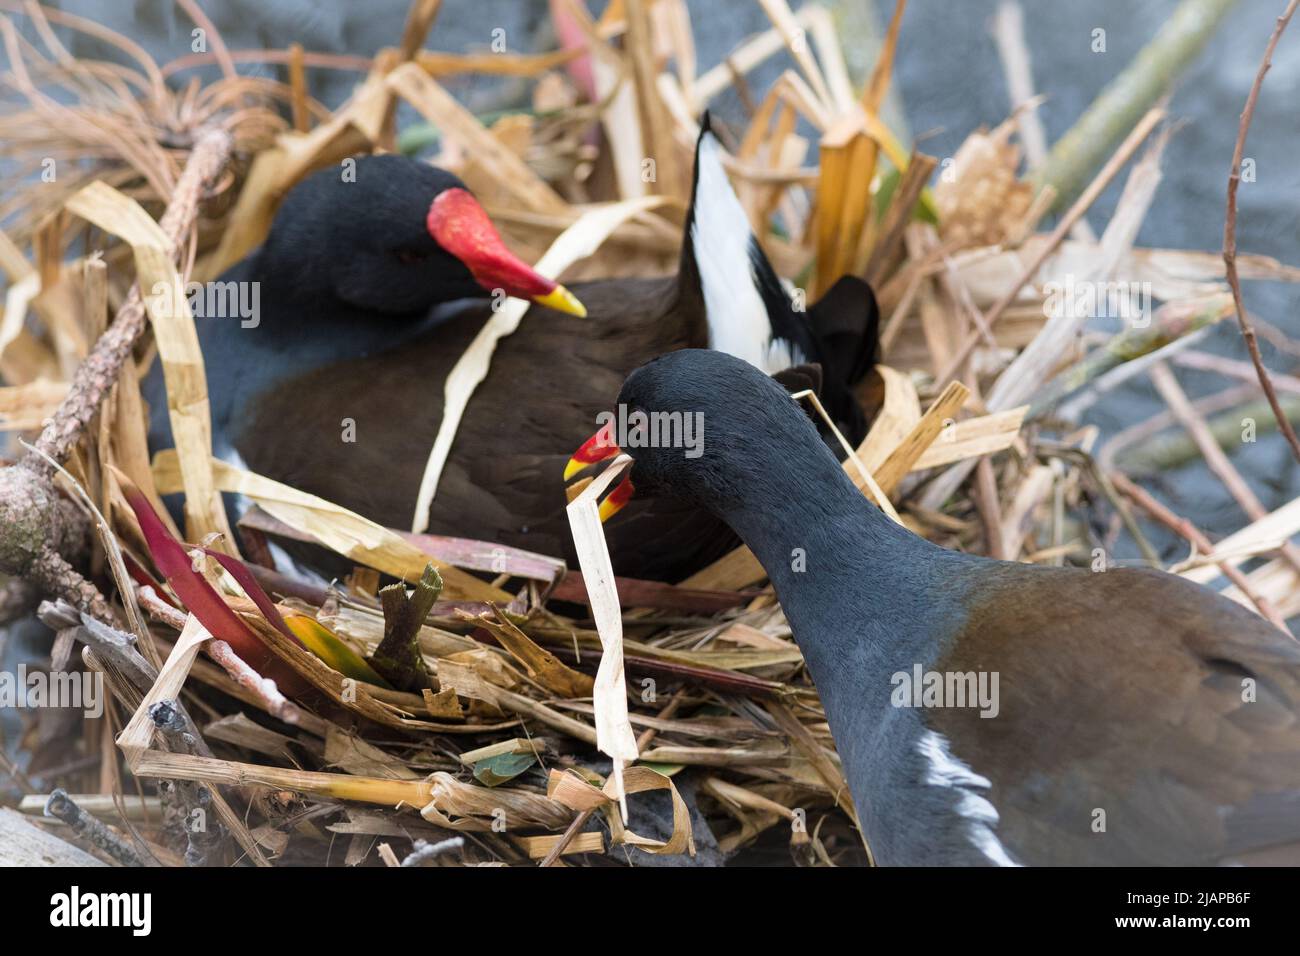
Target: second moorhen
1073, 717
337, 387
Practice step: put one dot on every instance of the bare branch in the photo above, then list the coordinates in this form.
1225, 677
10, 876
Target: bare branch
1230, 232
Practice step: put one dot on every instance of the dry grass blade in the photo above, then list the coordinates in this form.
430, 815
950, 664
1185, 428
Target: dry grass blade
335, 527
178, 347
613, 730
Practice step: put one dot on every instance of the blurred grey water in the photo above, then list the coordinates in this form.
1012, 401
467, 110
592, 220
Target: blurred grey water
950, 81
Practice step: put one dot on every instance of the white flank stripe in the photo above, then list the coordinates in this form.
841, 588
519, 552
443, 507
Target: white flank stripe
980, 815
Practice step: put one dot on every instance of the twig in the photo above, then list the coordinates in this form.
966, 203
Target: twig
1103, 481
264, 689
112, 653
90, 828
1231, 368
1230, 231
219, 51
15, 772
115, 647
194, 800
38, 527
158, 609
113, 551
1009, 34
578, 823
1275, 336
986, 502
1173, 395
96, 375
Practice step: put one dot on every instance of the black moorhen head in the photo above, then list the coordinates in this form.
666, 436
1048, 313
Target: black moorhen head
1075, 717
391, 236
361, 258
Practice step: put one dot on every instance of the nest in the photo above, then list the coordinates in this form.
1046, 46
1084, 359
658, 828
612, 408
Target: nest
477, 718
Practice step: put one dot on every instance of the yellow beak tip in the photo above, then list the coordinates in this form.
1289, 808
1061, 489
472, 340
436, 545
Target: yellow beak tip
572, 468
562, 300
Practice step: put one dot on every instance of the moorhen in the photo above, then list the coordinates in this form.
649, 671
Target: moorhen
337, 388
1117, 717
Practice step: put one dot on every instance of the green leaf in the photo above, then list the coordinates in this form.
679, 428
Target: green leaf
322, 642
494, 771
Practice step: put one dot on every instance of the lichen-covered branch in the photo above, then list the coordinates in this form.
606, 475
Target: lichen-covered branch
40, 531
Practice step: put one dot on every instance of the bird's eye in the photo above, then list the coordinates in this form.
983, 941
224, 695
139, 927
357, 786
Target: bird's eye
407, 256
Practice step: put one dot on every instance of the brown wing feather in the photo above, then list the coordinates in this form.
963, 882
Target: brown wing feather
539, 401
1126, 692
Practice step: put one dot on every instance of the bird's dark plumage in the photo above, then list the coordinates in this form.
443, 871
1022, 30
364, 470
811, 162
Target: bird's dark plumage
1141, 719
357, 335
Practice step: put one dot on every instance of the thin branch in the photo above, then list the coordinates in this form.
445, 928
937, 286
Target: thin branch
577, 824
39, 529
424, 850
90, 828
1215, 457
262, 688
1230, 232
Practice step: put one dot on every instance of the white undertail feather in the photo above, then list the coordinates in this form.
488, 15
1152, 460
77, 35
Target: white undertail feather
720, 234
981, 817
781, 354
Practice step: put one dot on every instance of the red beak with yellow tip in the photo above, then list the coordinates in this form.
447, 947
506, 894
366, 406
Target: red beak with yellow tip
616, 499
599, 447
461, 226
